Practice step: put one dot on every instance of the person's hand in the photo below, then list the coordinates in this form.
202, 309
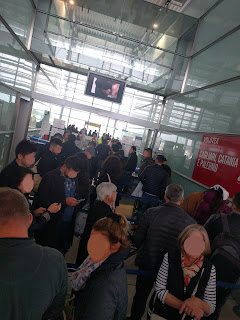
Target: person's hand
39, 211
192, 307
71, 202
54, 207
198, 314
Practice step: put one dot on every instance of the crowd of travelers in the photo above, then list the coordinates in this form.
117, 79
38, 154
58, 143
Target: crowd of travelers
183, 245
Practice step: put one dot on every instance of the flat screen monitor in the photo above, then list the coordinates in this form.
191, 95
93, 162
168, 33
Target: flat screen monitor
104, 87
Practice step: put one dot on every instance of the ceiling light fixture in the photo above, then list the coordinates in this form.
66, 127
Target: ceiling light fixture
155, 26
71, 2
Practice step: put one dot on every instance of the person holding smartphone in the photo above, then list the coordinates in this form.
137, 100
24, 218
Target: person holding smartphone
59, 186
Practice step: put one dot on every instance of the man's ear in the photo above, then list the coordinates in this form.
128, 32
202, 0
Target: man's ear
115, 247
166, 198
181, 201
30, 220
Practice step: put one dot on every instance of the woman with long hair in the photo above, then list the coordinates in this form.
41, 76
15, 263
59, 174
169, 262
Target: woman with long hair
100, 283
214, 202
111, 172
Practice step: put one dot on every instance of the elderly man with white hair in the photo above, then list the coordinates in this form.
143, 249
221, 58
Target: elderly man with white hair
106, 195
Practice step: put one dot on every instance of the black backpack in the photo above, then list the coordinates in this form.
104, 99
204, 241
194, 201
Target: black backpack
226, 244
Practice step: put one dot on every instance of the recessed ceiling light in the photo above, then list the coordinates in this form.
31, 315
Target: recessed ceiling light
155, 25
71, 2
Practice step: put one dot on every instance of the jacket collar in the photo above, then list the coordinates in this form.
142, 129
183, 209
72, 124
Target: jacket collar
171, 204
16, 243
114, 260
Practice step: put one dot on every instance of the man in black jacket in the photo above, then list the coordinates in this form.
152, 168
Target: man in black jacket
102, 152
69, 148
106, 194
132, 160
157, 234
33, 279
25, 157
59, 186
43, 148
148, 160
48, 161
130, 167
154, 180
227, 271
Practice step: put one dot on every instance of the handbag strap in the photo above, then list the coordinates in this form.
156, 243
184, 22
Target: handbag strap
109, 179
195, 290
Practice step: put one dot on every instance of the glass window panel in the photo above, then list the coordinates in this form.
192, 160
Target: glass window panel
95, 118
214, 64
7, 109
223, 18
18, 14
216, 109
5, 143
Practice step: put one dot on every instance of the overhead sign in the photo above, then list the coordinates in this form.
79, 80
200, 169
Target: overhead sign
218, 162
93, 124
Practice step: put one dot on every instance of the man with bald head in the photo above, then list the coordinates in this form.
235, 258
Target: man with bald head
33, 279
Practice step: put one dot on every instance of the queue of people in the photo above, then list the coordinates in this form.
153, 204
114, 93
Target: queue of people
182, 258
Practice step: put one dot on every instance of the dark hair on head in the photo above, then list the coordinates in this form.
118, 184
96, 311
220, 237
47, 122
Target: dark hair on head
104, 141
236, 200
58, 136
149, 151
15, 176
73, 163
72, 138
113, 166
160, 159
93, 144
119, 144
83, 161
12, 204
217, 201
83, 175
25, 147
113, 225
134, 148
115, 147
56, 142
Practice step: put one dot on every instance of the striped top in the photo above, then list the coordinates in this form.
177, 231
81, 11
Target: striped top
161, 285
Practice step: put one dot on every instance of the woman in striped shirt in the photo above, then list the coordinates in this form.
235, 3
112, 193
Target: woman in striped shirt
186, 281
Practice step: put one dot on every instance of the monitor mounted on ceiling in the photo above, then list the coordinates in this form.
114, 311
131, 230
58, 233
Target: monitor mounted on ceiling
104, 87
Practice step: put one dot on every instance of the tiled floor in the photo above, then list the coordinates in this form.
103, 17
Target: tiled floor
227, 313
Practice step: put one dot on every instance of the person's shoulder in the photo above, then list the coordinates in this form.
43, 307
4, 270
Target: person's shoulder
214, 219
11, 165
51, 255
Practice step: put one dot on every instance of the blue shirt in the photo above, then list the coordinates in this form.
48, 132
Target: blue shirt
70, 190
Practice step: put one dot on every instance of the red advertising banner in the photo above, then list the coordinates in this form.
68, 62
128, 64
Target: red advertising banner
218, 162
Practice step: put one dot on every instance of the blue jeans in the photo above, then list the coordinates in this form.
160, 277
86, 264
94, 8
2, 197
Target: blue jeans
153, 202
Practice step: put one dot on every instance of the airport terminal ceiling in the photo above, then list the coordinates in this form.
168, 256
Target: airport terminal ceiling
143, 43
